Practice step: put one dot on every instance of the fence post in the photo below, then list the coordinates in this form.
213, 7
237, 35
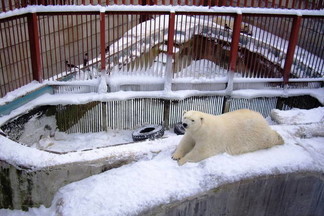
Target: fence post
34, 46
169, 68
102, 41
293, 39
234, 52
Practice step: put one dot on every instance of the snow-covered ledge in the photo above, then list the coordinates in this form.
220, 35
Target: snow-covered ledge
153, 178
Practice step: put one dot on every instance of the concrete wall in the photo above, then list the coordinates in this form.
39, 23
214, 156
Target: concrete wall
292, 194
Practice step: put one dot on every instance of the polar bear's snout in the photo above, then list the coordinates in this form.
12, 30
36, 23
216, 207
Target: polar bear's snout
185, 125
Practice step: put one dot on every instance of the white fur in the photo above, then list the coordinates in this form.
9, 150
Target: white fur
235, 132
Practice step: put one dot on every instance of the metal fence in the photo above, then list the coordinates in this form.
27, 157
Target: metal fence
290, 4
136, 46
133, 113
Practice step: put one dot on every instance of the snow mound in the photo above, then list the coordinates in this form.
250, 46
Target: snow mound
298, 116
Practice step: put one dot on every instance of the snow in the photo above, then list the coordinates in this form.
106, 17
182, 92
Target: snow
298, 116
159, 8
156, 179
19, 92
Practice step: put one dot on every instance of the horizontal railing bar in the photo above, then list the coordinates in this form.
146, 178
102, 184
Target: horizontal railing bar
126, 9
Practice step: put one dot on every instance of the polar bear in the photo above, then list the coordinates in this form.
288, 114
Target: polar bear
234, 132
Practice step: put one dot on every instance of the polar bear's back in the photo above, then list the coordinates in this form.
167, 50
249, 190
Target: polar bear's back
245, 131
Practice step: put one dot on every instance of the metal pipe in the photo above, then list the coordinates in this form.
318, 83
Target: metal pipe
291, 47
34, 46
102, 41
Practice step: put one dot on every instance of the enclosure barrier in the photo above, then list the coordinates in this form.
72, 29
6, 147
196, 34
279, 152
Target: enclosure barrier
133, 113
291, 4
79, 44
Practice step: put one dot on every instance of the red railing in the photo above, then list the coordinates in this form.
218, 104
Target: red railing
290, 4
45, 45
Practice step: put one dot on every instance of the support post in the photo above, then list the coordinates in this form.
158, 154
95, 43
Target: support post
235, 42
234, 52
166, 113
102, 88
169, 68
293, 39
34, 46
102, 41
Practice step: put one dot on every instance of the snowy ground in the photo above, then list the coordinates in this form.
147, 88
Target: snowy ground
156, 179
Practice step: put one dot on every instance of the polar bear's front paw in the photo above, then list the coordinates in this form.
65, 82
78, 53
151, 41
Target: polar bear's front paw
176, 156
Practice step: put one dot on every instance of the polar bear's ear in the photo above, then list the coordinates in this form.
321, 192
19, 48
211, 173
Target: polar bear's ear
184, 112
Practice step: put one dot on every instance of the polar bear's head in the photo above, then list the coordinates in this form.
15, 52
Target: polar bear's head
192, 120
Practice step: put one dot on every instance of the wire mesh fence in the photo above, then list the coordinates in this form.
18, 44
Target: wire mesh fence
134, 47
68, 42
263, 46
15, 54
309, 52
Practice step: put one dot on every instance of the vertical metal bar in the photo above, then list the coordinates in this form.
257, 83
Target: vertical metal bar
74, 41
50, 35
22, 54
286, 6
3, 6
102, 41
10, 5
169, 71
15, 54
11, 70
291, 47
60, 35
235, 42
319, 41
4, 77
44, 49
195, 45
34, 46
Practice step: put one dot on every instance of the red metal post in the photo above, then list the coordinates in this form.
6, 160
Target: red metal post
235, 42
34, 46
293, 39
102, 41
171, 33
3, 6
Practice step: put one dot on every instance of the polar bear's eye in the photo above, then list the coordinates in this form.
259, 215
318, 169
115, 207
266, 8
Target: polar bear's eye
193, 120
